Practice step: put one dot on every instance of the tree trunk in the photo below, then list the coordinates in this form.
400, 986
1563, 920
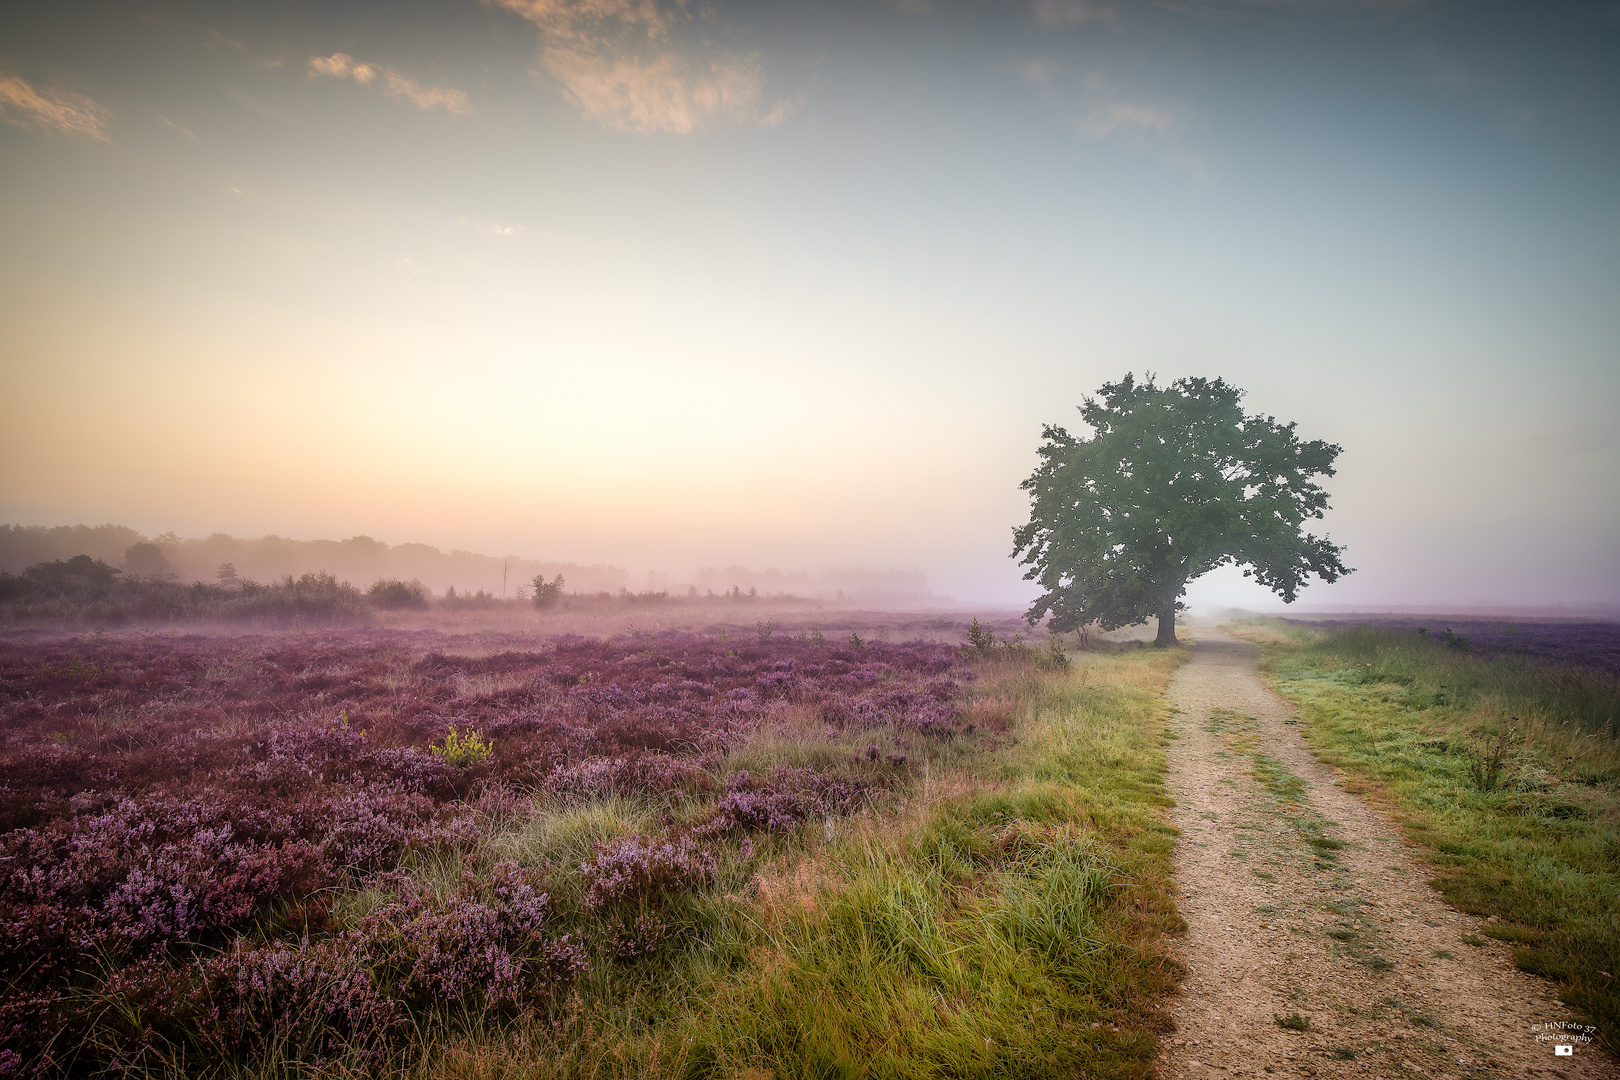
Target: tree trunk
1167, 625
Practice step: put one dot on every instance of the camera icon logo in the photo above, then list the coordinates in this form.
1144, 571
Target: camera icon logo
1564, 1050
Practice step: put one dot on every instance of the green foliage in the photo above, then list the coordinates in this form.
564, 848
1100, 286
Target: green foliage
1173, 482
146, 559
1293, 1022
980, 637
26, 545
478, 600
1487, 768
983, 641
1056, 657
82, 590
393, 595
547, 594
1538, 699
1446, 637
462, 750
80, 575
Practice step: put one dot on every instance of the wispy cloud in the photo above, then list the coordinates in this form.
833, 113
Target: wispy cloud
60, 112
620, 63
343, 66
215, 40
1098, 111
393, 83
424, 97
1091, 105
181, 128
1038, 73
780, 110
493, 230
1105, 115
1065, 13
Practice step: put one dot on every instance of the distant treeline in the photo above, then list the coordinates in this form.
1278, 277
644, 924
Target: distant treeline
275, 558
89, 591
455, 579
853, 583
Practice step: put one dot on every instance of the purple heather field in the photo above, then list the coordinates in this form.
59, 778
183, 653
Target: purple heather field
173, 809
1593, 645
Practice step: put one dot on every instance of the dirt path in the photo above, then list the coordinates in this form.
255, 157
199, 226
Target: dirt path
1304, 905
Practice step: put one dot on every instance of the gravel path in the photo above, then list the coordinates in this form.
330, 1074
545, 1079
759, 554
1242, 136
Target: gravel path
1305, 906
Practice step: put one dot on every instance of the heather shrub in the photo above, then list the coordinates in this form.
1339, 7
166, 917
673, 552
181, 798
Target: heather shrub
483, 941
654, 773
38, 1033
785, 800
639, 937
307, 1002
641, 867
256, 845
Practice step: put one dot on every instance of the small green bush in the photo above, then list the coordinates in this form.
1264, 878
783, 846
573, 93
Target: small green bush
464, 750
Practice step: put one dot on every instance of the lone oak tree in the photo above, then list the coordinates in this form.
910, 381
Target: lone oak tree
1174, 481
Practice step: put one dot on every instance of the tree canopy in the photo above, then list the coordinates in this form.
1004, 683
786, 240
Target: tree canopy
1173, 481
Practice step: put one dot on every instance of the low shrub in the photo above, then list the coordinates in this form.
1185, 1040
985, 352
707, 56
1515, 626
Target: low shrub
635, 868
547, 594
461, 750
785, 800
390, 594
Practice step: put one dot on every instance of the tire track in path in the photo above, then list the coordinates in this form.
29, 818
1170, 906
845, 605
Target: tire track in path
1315, 946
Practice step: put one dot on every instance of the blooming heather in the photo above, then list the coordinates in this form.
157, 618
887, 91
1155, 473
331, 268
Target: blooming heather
174, 810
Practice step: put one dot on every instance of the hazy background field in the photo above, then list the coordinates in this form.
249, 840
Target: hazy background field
801, 292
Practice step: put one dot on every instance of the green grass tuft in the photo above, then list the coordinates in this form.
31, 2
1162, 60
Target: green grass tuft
1293, 1022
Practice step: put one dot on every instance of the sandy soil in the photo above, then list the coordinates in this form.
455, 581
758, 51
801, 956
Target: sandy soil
1349, 939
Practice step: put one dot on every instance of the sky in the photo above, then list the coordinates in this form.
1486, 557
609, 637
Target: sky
797, 285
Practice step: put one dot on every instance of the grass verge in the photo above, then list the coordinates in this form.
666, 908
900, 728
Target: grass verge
1505, 769
1003, 919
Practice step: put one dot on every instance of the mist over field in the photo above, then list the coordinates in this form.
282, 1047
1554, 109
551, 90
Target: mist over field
362, 560
661, 287
657, 540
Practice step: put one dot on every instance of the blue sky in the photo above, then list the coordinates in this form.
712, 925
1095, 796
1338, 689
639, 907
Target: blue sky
796, 285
